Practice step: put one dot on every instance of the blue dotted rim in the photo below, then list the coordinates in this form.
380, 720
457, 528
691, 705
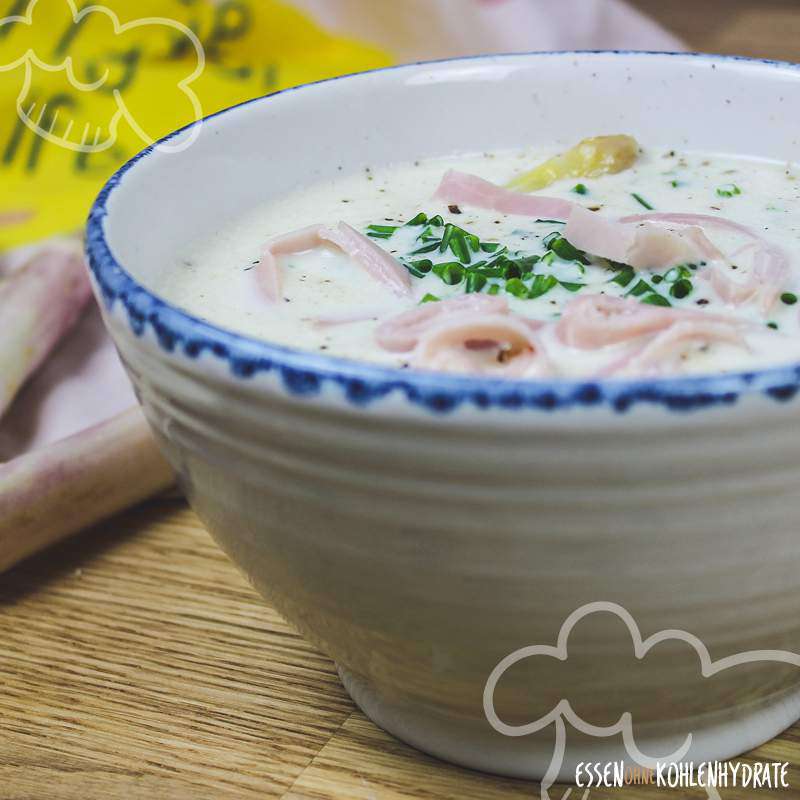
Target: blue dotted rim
306, 373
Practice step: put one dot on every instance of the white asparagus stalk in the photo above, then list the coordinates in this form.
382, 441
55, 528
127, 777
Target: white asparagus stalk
51, 493
38, 305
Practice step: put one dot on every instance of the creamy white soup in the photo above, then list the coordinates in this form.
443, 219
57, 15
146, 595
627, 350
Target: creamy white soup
680, 262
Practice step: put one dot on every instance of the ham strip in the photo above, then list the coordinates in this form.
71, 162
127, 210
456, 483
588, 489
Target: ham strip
642, 245
375, 260
660, 353
461, 188
487, 344
598, 320
401, 333
771, 263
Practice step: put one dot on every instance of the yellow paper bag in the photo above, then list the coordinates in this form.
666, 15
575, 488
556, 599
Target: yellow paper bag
83, 88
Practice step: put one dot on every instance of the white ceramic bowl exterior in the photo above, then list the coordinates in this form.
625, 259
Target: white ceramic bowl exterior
418, 527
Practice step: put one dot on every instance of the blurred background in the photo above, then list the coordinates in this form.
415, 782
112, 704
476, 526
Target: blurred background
759, 28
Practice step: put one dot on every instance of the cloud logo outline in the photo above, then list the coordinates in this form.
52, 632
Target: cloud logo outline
30, 59
563, 711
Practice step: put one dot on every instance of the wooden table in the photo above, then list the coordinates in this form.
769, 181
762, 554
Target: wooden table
135, 662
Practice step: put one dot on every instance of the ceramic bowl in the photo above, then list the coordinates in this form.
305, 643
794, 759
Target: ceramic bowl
421, 527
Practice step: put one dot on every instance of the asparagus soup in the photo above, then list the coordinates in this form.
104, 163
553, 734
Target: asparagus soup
607, 259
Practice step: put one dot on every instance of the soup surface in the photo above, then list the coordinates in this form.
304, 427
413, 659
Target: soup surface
684, 262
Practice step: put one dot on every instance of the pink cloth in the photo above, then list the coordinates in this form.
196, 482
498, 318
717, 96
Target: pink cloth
84, 383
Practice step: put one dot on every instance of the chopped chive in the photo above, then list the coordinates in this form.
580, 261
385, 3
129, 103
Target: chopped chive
641, 288
656, 279
459, 246
415, 272
550, 238
473, 241
428, 235
516, 287
436, 221
449, 230
420, 219
728, 190
426, 248
451, 272
580, 188
491, 247
475, 282
572, 287
548, 258
624, 276
789, 298
511, 269
526, 264
430, 298
390, 229
552, 221
674, 184
493, 289
655, 299
773, 325
541, 285
639, 199
563, 249
379, 235
489, 271
424, 265
681, 288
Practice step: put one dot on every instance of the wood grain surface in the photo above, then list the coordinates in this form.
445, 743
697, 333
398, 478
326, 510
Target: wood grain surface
135, 662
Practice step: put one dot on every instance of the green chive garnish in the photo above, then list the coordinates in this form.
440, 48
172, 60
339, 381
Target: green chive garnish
430, 298
493, 289
436, 221
681, 288
773, 325
542, 284
459, 246
625, 275
572, 287
674, 184
491, 247
656, 300
526, 264
550, 238
548, 258
563, 249
552, 221
451, 272
426, 248
789, 298
580, 188
516, 287
381, 231
729, 190
424, 265
420, 219
639, 199
475, 283
642, 287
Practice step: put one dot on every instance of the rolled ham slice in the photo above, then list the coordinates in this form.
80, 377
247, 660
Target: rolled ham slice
598, 320
662, 352
641, 244
771, 263
483, 344
461, 188
376, 261
401, 333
